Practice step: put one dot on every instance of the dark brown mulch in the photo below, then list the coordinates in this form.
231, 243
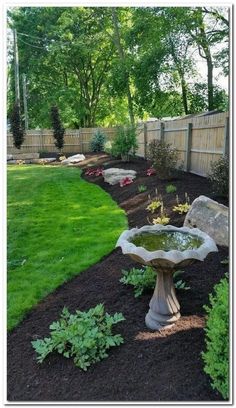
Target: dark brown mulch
149, 366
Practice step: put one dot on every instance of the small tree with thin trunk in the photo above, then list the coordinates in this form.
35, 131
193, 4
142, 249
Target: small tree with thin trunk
16, 126
58, 129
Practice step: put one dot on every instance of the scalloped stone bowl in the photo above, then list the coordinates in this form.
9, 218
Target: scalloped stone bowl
164, 306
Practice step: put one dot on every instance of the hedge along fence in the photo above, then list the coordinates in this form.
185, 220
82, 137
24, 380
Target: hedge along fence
75, 140
200, 140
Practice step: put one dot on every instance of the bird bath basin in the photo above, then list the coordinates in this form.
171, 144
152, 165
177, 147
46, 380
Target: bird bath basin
165, 249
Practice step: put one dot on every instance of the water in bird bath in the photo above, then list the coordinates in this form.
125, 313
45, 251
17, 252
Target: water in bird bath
166, 241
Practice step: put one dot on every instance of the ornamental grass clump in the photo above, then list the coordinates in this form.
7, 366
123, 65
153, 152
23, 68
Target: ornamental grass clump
216, 356
164, 158
83, 336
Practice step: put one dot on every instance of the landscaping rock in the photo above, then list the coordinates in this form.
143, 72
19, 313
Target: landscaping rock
19, 161
210, 217
114, 175
25, 156
43, 160
9, 157
73, 159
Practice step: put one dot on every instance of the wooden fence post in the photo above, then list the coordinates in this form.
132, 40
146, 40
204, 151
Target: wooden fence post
41, 140
81, 141
162, 131
145, 139
226, 138
188, 145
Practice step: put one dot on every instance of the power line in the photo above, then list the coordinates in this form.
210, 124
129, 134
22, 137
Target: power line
32, 45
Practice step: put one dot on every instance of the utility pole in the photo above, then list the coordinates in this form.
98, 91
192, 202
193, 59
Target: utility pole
16, 61
25, 102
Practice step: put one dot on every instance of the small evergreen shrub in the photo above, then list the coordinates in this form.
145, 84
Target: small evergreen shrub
58, 129
219, 176
125, 143
84, 336
17, 128
216, 356
98, 141
164, 158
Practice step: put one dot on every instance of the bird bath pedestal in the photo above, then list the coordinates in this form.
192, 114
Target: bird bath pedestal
165, 248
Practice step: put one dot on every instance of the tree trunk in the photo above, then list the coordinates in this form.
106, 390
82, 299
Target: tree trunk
122, 58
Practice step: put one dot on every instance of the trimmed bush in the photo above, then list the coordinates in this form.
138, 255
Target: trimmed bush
164, 158
58, 129
98, 141
216, 356
219, 176
125, 143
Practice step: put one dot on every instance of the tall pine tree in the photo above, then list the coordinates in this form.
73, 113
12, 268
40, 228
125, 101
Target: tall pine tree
58, 129
16, 126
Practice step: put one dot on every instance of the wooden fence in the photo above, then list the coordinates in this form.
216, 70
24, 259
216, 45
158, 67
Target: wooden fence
200, 140
75, 140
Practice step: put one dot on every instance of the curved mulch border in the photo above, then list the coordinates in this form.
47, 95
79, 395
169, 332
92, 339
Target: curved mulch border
149, 366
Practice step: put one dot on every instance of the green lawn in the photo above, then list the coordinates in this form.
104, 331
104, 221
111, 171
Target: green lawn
58, 225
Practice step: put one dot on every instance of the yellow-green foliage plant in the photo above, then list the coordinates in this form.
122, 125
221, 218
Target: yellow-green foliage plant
216, 356
182, 208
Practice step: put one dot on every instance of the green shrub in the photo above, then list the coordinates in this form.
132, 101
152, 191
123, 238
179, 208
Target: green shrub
17, 128
216, 356
85, 336
219, 176
164, 158
98, 141
170, 188
125, 143
145, 278
58, 129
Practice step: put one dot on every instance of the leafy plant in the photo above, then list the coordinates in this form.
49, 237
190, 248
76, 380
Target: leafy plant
16, 126
84, 336
98, 141
126, 181
151, 171
58, 129
142, 188
225, 261
94, 171
145, 278
164, 158
219, 176
182, 208
153, 206
125, 143
170, 188
141, 279
216, 356
163, 219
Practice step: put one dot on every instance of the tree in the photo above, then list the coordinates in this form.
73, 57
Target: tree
16, 126
58, 129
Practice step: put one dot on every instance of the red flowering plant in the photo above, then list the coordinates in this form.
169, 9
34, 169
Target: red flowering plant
126, 181
151, 171
94, 172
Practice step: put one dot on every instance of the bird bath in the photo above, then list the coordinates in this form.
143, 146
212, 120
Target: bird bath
165, 248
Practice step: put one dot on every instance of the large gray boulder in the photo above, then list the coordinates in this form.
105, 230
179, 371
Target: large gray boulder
114, 175
210, 217
76, 158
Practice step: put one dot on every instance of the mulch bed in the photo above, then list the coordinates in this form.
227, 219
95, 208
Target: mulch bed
149, 366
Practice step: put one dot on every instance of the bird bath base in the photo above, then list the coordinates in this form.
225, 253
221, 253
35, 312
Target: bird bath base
164, 306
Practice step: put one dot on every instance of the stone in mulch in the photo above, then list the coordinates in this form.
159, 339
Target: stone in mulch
76, 158
210, 217
114, 175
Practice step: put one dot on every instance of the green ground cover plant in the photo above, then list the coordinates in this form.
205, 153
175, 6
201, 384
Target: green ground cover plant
83, 336
216, 356
55, 230
145, 278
